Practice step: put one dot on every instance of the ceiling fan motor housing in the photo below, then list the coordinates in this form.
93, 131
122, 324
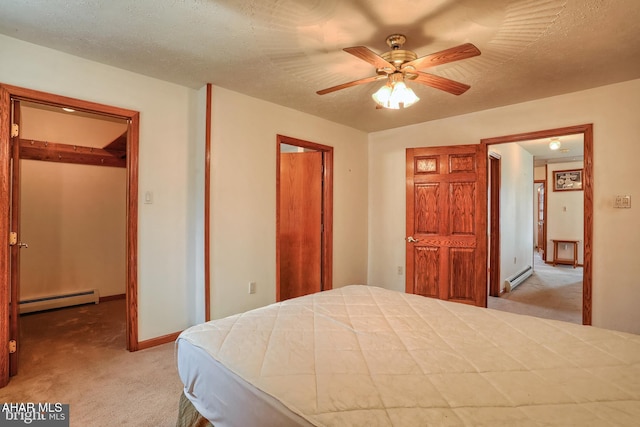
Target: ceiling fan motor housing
396, 56
399, 57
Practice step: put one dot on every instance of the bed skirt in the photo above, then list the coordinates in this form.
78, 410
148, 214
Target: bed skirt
188, 415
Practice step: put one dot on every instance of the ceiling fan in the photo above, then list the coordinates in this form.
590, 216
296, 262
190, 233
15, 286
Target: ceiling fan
399, 65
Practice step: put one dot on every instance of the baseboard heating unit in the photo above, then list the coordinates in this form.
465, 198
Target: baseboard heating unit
518, 278
59, 301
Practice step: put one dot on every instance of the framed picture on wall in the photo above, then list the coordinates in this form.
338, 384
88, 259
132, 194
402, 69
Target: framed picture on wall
567, 180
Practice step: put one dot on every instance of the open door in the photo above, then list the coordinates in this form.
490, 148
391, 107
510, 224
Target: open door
541, 219
14, 242
10, 229
5, 230
304, 217
446, 251
10, 266
300, 231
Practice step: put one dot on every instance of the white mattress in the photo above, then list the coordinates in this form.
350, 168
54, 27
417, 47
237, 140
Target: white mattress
226, 399
366, 356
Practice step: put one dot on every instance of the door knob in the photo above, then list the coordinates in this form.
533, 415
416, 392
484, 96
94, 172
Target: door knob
411, 239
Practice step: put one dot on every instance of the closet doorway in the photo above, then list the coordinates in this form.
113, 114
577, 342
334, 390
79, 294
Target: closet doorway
10, 142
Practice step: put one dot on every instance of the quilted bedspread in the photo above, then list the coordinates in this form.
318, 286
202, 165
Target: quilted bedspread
366, 356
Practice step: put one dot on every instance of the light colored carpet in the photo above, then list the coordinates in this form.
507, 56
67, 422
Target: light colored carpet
551, 292
77, 356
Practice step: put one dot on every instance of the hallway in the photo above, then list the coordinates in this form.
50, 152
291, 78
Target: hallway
551, 292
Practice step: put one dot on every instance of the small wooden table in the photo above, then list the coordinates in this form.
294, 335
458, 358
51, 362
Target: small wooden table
557, 260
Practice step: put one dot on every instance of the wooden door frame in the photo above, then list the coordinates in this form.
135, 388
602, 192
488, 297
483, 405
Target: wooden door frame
544, 214
587, 131
15, 249
327, 208
495, 171
6, 93
5, 229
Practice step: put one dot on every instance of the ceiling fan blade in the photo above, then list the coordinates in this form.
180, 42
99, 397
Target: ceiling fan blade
457, 53
442, 83
370, 56
350, 84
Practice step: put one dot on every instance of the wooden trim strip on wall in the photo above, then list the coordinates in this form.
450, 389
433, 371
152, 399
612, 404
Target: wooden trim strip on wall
207, 209
587, 284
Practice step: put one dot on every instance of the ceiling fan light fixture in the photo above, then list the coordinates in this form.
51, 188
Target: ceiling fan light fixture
403, 96
554, 144
395, 95
382, 95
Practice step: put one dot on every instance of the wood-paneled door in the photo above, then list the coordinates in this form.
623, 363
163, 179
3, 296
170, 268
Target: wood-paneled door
304, 194
446, 244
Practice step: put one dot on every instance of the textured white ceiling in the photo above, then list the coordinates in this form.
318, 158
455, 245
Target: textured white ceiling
283, 51
571, 149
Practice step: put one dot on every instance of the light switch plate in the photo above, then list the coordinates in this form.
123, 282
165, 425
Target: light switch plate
622, 202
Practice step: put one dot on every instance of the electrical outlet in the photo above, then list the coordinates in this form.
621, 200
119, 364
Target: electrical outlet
252, 287
400, 270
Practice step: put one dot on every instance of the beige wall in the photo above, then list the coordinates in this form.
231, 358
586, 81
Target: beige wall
68, 128
616, 241
72, 216
516, 206
243, 214
169, 129
565, 215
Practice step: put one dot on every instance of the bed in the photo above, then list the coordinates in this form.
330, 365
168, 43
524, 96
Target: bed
367, 356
